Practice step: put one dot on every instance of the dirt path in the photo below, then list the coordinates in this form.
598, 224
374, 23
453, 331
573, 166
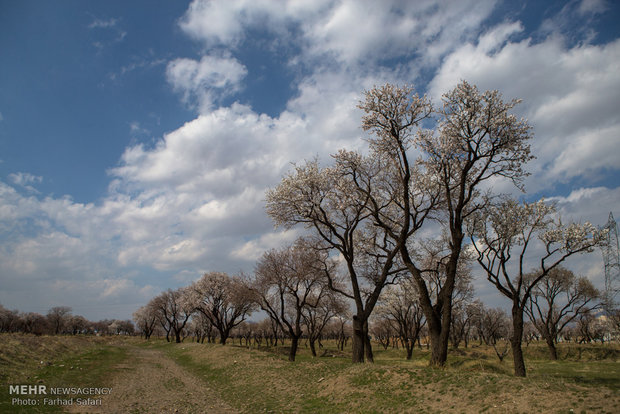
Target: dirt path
150, 382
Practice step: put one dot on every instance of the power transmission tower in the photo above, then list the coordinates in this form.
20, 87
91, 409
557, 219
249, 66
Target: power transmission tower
611, 258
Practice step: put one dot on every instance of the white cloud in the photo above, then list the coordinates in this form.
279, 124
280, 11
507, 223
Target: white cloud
592, 7
103, 23
115, 287
225, 22
569, 96
197, 79
588, 153
252, 250
350, 31
194, 201
25, 179
108, 26
591, 204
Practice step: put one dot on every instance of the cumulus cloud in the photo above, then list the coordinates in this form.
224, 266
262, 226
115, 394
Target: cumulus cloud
225, 23
197, 80
351, 32
254, 249
591, 204
194, 201
568, 96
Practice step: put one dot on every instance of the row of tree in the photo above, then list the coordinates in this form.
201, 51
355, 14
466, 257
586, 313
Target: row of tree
562, 307
415, 211
59, 320
290, 285
376, 211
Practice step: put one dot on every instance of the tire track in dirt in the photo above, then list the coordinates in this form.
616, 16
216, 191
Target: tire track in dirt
150, 382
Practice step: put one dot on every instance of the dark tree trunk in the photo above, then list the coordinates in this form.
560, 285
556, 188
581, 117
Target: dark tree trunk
313, 347
409, 346
368, 349
367, 345
439, 350
553, 351
223, 337
439, 336
515, 341
359, 340
294, 345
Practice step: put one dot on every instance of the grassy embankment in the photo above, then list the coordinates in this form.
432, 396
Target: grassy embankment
587, 379
55, 361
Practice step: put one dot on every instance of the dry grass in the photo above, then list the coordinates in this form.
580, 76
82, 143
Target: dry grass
21, 354
55, 361
474, 381
587, 379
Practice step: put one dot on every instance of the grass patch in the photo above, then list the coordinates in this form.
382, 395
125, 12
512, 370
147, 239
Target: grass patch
262, 380
253, 380
54, 362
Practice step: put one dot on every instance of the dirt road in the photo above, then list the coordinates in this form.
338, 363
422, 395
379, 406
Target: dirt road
150, 382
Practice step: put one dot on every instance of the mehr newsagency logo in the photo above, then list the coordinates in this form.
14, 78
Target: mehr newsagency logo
25, 394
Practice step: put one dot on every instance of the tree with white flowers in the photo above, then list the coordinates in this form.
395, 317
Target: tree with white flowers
556, 301
289, 286
146, 318
224, 300
518, 245
326, 200
411, 175
399, 305
477, 139
174, 309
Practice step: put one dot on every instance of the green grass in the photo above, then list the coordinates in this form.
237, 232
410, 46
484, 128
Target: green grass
474, 380
55, 362
586, 379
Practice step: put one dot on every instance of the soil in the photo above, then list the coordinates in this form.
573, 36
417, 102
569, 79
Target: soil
150, 382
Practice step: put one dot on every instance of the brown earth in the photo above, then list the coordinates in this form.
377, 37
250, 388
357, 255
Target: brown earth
150, 382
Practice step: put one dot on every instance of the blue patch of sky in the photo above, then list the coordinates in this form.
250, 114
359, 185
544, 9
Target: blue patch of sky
270, 81
75, 77
564, 16
562, 188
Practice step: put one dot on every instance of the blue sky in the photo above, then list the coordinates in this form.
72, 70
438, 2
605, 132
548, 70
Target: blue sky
137, 138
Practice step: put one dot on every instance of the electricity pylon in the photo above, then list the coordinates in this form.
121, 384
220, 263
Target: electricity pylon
611, 258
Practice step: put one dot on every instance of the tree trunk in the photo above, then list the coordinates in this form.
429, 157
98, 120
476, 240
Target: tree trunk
439, 350
515, 341
367, 345
294, 346
368, 349
359, 340
409, 347
313, 347
223, 337
553, 352
439, 335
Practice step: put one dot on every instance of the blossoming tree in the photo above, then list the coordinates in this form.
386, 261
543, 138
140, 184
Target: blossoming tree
505, 236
